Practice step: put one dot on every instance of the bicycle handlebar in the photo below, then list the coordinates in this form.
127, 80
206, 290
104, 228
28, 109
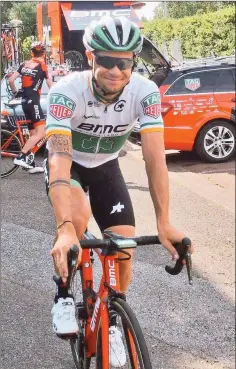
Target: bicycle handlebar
117, 244
183, 250
120, 242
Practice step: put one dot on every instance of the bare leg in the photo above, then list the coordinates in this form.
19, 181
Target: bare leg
125, 266
36, 135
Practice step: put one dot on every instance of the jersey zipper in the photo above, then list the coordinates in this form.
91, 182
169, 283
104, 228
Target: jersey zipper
100, 138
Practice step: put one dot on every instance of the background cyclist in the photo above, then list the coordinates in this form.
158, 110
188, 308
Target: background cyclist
32, 72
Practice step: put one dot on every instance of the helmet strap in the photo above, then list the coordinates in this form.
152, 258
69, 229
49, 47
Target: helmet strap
99, 92
101, 96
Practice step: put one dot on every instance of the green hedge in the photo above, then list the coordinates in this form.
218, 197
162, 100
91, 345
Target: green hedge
26, 44
199, 34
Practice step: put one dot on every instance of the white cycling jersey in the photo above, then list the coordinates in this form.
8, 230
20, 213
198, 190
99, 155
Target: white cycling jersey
98, 130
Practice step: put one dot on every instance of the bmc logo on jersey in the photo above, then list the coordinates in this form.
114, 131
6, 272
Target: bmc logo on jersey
61, 106
152, 105
102, 129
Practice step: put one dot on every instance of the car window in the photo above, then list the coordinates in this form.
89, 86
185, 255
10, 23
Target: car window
195, 83
4, 90
225, 82
151, 55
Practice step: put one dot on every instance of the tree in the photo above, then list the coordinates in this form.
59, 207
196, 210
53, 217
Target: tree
26, 12
5, 8
26, 47
177, 9
199, 34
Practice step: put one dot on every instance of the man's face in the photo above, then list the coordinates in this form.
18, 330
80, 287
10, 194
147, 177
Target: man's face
111, 80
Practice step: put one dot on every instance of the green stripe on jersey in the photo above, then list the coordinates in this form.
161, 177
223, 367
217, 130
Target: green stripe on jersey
51, 126
158, 124
91, 144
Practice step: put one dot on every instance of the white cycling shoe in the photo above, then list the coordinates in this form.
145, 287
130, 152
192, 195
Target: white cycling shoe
116, 348
64, 321
35, 169
22, 161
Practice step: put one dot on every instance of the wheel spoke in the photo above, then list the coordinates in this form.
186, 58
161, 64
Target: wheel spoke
229, 140
221, 152
210, 147
221, 131
210, 135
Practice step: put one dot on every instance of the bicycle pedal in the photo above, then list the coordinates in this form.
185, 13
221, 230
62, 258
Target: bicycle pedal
82, 313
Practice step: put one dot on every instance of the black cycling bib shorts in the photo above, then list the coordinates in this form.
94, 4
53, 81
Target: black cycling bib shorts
109, 197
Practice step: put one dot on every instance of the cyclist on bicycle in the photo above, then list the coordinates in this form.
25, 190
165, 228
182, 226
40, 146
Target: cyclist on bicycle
33, 73
90, 116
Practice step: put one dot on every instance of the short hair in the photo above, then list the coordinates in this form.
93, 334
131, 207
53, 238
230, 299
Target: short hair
38, 53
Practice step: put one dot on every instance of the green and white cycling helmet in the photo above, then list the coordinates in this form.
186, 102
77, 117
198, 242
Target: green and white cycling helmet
113, 34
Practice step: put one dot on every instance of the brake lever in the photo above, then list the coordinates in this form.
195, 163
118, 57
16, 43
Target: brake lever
183, 250
72, 264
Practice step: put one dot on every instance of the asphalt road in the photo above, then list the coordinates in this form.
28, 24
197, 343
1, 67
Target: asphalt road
185, 327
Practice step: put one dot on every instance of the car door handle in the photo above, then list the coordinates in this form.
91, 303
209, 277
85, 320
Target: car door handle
233, 100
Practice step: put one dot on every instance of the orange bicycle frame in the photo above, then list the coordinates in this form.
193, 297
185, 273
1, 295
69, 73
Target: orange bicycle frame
18, 132
100, 316
14, 134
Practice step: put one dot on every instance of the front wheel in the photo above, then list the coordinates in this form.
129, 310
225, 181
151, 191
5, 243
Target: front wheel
78, 349
77, 343
134, 345
10, 148
216, 142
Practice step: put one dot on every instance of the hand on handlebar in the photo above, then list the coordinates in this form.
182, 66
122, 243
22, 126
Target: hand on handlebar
179, 247
183, 250
65, 239
169, 236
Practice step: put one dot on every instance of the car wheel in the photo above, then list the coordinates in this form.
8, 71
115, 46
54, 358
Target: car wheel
216, 142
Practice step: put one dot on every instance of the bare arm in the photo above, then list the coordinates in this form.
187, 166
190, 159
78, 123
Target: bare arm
157, 172
152, 138
11, 80
49, 83
60, 160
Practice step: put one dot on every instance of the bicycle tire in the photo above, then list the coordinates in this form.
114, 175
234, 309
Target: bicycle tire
77, 344
130, 326
5, 134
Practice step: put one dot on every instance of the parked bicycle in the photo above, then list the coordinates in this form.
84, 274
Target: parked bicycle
10, 47
13, 140
93, 308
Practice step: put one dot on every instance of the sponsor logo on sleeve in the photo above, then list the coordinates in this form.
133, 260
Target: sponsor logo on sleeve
151, 105
61, 106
